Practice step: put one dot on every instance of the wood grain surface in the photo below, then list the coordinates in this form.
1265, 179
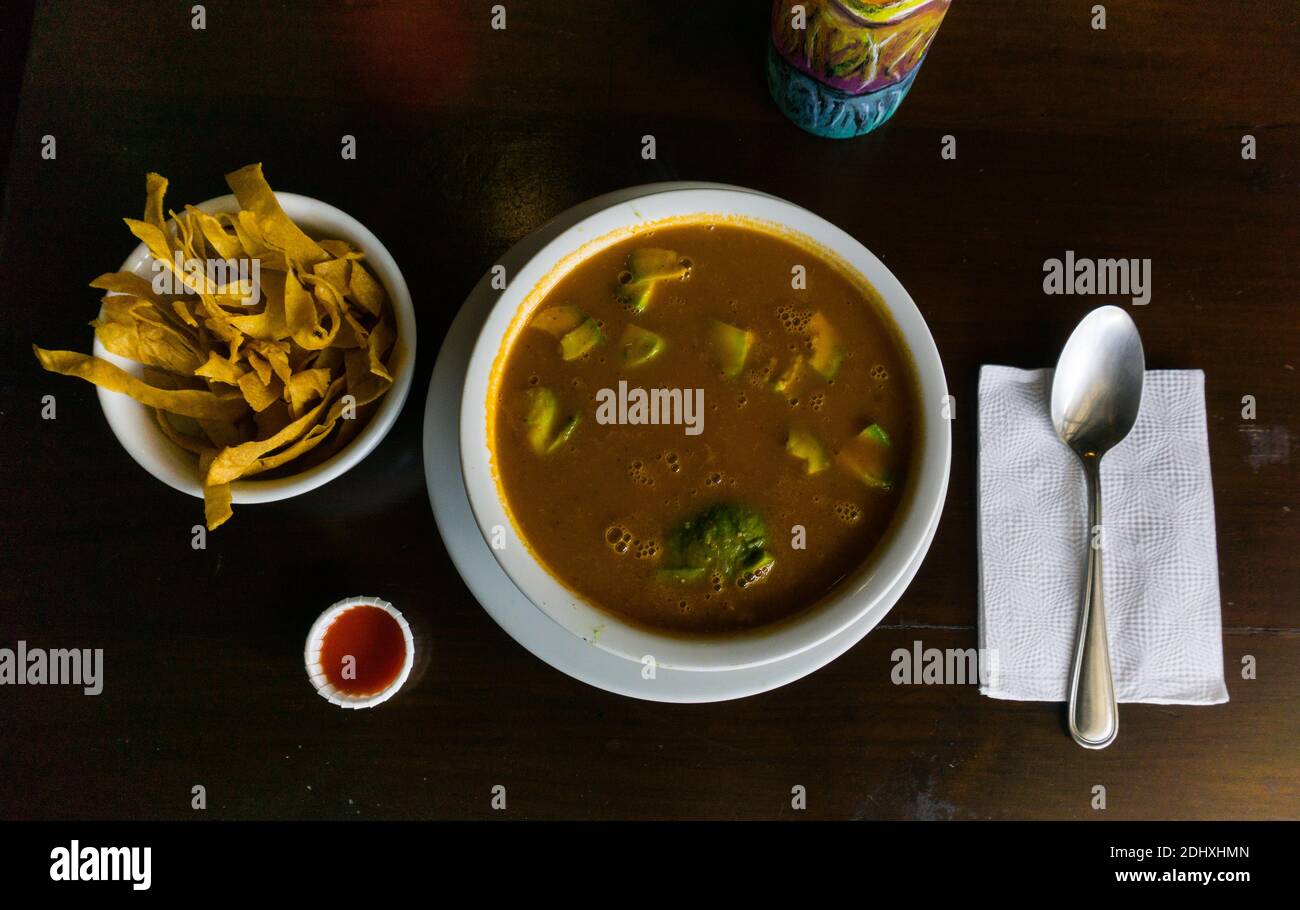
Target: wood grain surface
1122, 142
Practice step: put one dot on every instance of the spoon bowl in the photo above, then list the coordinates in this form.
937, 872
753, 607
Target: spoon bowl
1097, 387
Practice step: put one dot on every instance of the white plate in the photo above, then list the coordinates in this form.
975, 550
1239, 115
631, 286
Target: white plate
494, 590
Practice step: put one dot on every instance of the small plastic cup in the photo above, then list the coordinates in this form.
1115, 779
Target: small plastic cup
316, 640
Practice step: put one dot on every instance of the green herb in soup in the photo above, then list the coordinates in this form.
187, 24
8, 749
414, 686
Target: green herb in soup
714, 518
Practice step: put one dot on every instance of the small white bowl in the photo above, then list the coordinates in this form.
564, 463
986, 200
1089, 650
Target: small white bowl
316, 640
917, 515
136, 427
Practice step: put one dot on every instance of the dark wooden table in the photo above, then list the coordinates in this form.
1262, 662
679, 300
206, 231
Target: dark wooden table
1123, 142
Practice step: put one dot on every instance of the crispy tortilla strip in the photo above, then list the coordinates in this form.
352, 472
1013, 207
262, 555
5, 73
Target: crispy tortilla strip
259, 365
148, 343
221, 434
304, 388
126, 283
255, 196
233, 462
314, 437
272, 420
184, 440
381, 341
182, 309
276, 354
325, 305
258, 394
124, 309
335, 271
155, 187
271, 324
220, 369
216, 505
363, 385
255, 245
226, 243
341, 249
352, 334
158, 241
299, 311
216, 499
366, 291
189, 402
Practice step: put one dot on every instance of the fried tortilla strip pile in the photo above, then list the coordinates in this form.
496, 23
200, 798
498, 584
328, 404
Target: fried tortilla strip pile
247, 382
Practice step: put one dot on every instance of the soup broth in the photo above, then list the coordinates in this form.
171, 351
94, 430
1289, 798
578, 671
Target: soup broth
786, 424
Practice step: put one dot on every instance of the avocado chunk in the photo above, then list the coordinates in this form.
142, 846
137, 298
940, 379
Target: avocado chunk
575, 343
640, 345
801, 443
789, 376
645, 269
655, 263
877, 432
869, 457
730, 346
577, 332
543, 414
558, 321
542, 410
683, 576
635, 295
827, 354
725, 539
566, 432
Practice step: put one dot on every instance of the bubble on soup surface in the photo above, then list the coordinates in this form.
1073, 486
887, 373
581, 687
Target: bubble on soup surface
638, 474
847, 512
879, 373
793, 319
618, 538
816, 400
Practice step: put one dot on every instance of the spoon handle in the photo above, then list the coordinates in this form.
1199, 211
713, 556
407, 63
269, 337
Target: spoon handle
1094, 716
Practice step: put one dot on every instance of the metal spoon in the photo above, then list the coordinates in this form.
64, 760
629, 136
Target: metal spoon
1096, 392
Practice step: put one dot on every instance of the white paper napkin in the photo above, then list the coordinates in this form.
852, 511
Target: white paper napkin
1161, 576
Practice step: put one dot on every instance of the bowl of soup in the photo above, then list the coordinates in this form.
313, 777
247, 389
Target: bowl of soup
705, 428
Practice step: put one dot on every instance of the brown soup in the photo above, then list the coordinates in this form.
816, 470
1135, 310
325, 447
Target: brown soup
688, 440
